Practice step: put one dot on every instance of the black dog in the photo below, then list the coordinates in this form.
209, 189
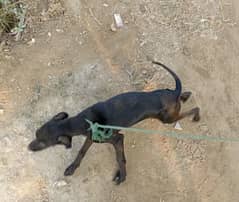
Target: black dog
124, 110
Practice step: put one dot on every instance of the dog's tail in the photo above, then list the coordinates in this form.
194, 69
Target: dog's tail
178, 88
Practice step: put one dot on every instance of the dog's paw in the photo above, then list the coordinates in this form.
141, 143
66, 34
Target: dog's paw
117, 175
196, 118
185, 96
197, 115
70, 170
119, 178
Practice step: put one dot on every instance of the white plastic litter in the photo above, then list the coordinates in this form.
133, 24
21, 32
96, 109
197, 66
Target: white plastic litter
178, 126
118, 20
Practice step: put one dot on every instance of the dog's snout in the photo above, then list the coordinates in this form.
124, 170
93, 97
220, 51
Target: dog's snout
31, 146
36, 145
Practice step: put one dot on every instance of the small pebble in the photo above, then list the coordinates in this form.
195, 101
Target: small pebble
7, 141
144, 72
93, 66
186, 51
85, 180
59, 30
1, 111
105, 5
204, 20
49, 34
31, 42
60, 183
113, 28
8, 57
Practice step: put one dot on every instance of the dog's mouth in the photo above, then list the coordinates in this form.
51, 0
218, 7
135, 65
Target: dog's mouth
66, 141
36, 145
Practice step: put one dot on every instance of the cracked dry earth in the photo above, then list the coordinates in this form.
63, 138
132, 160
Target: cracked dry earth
77, 60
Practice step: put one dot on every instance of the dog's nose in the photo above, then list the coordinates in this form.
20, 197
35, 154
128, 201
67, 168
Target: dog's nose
36, 146
31, 147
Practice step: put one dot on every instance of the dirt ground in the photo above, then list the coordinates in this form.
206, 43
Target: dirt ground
70, 58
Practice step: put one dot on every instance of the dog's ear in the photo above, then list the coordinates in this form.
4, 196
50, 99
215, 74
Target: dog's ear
60, 116
65, 140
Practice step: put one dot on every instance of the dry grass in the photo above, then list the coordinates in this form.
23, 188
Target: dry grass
12, 17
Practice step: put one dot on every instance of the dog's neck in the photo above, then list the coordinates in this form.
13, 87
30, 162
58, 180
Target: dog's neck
74, 126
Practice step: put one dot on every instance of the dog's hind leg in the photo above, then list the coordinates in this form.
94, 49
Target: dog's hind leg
185, 95
71, 169
118, 143
195, 112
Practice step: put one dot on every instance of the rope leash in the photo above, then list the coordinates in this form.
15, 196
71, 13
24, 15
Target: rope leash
101, 133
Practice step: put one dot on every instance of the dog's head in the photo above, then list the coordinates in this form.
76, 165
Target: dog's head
51, 134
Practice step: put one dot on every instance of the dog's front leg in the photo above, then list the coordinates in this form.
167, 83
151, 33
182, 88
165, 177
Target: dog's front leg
71, 169
118, 143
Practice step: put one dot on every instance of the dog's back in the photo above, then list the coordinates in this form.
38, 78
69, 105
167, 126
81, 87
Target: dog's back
129, 108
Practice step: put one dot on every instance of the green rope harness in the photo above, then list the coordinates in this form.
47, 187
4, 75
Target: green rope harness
101, 133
